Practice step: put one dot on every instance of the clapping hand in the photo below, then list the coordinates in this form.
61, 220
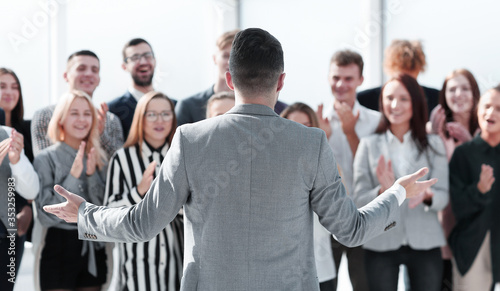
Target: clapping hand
347, 118
385, 174
101, 117
16, 146
147, 179
12, 146
486, 179
458, 132
77, 167
437, 120
324, 124
419, 198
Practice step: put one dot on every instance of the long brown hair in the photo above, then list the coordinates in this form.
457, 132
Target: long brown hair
17, 115
473, 123
56, 132
419, 111
136, 134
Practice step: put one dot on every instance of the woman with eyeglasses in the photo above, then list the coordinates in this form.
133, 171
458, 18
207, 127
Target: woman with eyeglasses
155, 264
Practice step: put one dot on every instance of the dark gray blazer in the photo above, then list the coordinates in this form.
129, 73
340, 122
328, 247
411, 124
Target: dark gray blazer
249, 181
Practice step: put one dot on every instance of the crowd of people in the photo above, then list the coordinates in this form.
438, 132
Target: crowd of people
447, 237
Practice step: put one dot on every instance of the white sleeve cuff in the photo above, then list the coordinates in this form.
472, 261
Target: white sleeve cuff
399, 191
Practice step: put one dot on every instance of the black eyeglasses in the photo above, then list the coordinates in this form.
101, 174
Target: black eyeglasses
135, 58
152, 116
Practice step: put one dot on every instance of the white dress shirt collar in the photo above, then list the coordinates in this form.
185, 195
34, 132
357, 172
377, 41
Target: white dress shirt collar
136, 93
391, 138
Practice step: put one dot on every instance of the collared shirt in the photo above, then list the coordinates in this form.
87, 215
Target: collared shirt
405, 153
136, 93
366, 125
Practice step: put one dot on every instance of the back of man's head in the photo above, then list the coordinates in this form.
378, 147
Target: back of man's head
82, 53
134, 42
256, 61
347, 57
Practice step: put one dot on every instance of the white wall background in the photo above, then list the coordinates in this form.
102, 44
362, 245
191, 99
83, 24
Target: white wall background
36, 42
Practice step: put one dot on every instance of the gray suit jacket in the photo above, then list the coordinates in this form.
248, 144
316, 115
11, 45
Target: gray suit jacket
249, 181
418, 227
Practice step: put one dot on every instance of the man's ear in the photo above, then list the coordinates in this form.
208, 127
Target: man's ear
65, 76
229, 81
124, 66
281, 82
361, 80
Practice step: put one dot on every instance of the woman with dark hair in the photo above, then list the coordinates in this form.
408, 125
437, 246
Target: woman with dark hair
155, 264
455, 121
416, 239
303, 114
455, 118
12, 103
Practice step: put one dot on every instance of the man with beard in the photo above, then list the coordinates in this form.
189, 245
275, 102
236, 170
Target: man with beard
82, 73
139, 60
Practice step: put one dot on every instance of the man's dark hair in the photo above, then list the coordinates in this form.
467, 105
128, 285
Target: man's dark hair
82, 53
346, 58
256, 61
134, 42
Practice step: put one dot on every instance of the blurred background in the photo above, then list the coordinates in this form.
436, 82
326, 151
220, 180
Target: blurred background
37, 36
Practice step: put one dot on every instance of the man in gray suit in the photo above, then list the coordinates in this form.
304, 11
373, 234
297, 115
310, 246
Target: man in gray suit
249, 182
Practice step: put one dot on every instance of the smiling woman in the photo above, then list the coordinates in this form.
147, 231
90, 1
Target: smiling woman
131, 171
417, 237
76, 161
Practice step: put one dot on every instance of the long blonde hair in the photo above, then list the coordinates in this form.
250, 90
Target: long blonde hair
56, 132
136, 134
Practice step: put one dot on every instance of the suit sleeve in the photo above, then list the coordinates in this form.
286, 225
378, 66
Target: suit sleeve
143, 221
338, 213
366, 184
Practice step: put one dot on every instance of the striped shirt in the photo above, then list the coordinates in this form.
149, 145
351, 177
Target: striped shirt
156, 264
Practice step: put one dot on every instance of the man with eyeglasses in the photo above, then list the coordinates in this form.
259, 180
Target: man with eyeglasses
82, 73
139, 60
